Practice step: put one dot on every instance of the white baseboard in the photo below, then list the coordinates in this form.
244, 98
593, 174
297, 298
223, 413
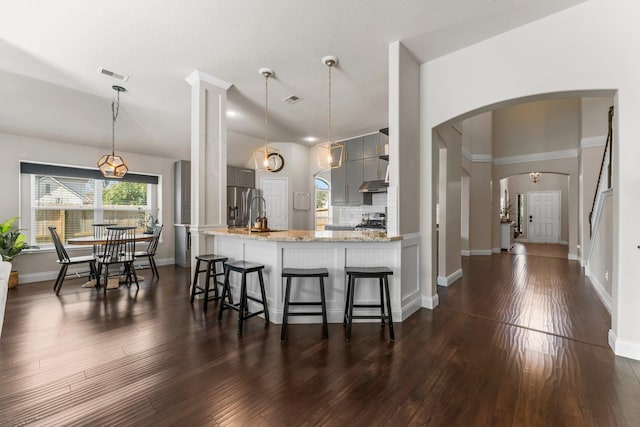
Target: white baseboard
496, 250
602, 293
563, 242
481, 252
573, 257
446, 281
80, 270
465, 252
623, 348
430, 302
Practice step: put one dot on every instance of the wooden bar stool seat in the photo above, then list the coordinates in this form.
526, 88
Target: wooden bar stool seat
244, 268
380, 273
290, 273
212, 273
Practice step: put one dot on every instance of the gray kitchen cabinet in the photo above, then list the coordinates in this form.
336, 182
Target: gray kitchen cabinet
240, 177
353, 149
375, 168
371, 146
182, 192
246, 177
339, 185
354, 181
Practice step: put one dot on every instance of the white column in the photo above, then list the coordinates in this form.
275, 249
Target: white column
208, 158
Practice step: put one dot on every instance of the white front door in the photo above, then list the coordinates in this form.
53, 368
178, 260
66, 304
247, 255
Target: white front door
274, 191
543, 216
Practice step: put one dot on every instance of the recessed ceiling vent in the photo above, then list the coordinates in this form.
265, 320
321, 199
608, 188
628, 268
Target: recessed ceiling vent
113, 74
292, 99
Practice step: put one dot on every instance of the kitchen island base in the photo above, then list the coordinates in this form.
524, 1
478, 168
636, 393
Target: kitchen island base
331, 250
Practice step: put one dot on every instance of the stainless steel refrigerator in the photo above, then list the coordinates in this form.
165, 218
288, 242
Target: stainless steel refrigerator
182, 212
238, 205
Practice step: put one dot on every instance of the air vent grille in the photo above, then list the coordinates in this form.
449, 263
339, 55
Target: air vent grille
113, 74
292, 99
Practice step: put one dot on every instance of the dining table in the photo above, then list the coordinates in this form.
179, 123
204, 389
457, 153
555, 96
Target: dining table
91, 240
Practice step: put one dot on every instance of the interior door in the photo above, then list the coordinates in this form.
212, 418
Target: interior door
274, 191
543, 216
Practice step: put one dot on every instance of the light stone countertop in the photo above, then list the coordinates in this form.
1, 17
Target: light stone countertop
305, 235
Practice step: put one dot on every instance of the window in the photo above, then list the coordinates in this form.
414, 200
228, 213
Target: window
323, 196
73, 199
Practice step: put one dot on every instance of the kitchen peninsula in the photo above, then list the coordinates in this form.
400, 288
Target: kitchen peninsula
330, 249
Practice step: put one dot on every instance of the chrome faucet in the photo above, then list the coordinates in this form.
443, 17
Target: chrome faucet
264, 212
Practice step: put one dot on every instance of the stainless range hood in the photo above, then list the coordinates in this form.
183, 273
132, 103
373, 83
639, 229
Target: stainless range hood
379, 186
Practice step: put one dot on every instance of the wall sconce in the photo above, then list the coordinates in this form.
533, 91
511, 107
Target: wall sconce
534, 177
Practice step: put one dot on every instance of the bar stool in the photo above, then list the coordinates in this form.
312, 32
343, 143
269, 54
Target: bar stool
380, 273
212, 273
243, 267
320, 273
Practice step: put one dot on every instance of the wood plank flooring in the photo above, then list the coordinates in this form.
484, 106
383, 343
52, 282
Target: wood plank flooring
519, 340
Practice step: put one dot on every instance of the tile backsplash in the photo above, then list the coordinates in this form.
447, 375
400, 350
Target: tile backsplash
352, 215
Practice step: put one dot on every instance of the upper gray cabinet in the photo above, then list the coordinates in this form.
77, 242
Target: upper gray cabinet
353, 149
371, 145
240, 177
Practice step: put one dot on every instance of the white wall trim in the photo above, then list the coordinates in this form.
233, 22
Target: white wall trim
573, 257
430, 302
446, 281
563, 242
465, 252
536, 157
623, 348
592, 142
45, 276
198, 75
496, 250
476, 158
483, 252
602, 293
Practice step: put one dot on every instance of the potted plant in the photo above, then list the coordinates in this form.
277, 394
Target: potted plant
147, 221
12, 242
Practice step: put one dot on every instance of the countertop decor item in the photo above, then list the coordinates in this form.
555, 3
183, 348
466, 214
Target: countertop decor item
330, 153
110, 165
262, 155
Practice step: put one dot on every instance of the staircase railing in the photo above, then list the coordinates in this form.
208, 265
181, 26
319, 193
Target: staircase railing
606, 160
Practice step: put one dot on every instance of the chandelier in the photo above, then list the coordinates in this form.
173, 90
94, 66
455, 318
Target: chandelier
110, 165
329, 153
261, 154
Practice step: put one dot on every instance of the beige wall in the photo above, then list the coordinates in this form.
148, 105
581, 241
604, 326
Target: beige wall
595, 116
42, 266
404, 140
548, 182
536, 127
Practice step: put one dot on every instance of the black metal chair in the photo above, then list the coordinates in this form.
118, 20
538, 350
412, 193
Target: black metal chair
118, 249
65, 260
150, 252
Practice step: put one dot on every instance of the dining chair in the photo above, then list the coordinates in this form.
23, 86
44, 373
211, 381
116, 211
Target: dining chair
119, 248
100, 233
150, 251
65, 260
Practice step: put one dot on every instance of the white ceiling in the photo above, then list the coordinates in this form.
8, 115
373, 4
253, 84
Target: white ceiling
50, 51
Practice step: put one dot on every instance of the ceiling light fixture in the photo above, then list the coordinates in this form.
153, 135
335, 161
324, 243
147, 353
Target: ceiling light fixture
535, 177
329, 153
110, 165
261, 154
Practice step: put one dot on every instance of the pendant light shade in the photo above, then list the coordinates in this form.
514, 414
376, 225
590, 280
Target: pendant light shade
329, 153
535, 177
110, 165
261, 154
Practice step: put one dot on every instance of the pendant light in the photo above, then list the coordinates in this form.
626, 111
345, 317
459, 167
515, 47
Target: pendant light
534, 177
261, 154
329, 154
110, 165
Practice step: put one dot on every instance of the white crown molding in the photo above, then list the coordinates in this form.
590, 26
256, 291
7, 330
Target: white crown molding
476, 158
201, 76
594, 141
536, 157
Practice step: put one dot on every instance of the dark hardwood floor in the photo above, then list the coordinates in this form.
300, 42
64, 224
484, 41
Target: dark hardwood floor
520, 340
